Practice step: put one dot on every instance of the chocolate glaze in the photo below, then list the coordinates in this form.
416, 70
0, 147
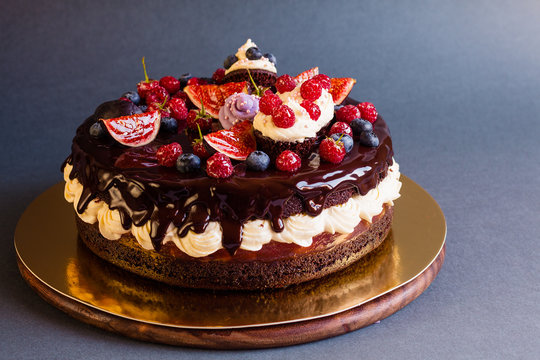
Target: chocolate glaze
130, 180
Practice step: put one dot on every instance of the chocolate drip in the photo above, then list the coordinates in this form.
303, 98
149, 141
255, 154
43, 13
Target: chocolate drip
130, 181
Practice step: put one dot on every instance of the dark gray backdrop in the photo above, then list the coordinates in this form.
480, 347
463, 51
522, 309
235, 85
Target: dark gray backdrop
458, 82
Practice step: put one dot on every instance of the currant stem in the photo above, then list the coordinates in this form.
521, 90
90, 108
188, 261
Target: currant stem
145, 74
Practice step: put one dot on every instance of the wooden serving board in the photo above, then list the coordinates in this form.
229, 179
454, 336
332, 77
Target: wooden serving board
246, 337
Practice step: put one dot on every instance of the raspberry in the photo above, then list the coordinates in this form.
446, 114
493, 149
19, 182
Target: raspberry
288, 161
181, 95
170, 83
158, 94
196, 81
200, 150
313, 109
347, 113
178, 108
285, 83
283, 116
165, 112
269, 102
332, 151
218, 76
323, 80
219, 166
341, 127
311, 90
368, 111
167, 154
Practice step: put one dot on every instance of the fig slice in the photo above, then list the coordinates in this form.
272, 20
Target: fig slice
306, 75
134, 130
237, 142
213, 96
340, 89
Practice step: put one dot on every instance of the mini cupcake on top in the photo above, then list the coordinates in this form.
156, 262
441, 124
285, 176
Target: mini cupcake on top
293, 118
248, 57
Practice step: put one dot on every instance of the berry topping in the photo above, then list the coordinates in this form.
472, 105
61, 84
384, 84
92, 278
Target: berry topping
285, 83
340, 127
167, 154
133, 97
306, 75
237, 142
288, 161
253, 53
164, 111
258, 161
269, 102
97, 131
170, 83
369, 139
332, 150
218, 75
181, 95
347, 141
187, 163
323, 80
347, 113
340, 89
196, 81
157, 94
271, 58
368, 111
184, 78
178, 108
147, 84
199, 147
199, 120
313, 109
219, 166
283, 116
134, 130
311, 90
168, 125
358, 126
231, 59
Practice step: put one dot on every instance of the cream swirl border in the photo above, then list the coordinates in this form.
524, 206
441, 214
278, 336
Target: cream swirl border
298, 229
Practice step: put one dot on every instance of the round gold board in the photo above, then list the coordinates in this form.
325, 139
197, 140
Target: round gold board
66, 274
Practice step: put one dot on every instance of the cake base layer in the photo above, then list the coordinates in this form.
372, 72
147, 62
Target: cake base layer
261, 77
237, 275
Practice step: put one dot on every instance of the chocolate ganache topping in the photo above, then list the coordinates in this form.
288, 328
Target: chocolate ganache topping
130, 181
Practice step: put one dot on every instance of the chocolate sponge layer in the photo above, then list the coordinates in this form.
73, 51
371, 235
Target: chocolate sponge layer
236, 275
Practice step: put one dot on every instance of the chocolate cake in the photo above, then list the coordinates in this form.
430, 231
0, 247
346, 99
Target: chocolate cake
156, 198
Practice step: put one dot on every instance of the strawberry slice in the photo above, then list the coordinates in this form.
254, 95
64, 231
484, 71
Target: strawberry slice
213, 96
340, 89
237, 142
134, 130
306, 75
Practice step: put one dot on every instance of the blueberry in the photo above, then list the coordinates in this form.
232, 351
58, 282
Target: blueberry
271, 58
258, 161
253, 53
184, 78
231, 59
187, 163
358, 126
97, 131
168, 125
345, 139
132, 96
143, 108
368, 138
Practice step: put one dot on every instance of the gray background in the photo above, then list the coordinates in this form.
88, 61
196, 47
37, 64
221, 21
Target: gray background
458, 82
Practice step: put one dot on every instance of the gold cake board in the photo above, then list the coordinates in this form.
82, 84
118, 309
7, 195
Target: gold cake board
63, 272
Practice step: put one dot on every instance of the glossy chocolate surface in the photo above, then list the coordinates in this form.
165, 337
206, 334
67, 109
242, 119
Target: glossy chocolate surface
131, 181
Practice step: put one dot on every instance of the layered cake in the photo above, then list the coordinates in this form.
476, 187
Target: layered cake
227, 183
